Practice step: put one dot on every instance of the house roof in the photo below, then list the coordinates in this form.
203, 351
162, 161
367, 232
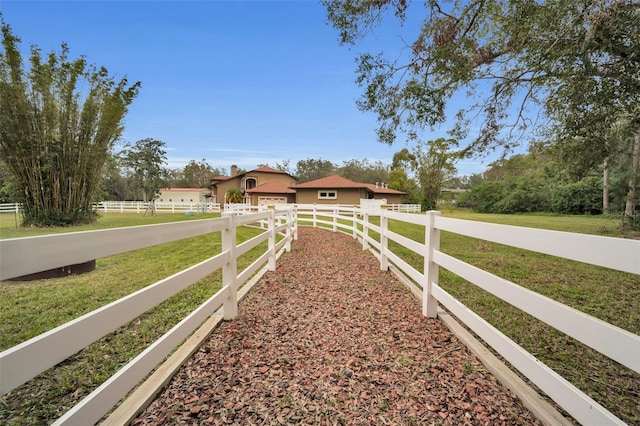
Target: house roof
271, 188
184, 189
336, 182
333, 181
262, 169
266, 169
380, 190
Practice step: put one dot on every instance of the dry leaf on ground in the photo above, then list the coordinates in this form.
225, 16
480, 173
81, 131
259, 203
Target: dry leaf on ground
330, 339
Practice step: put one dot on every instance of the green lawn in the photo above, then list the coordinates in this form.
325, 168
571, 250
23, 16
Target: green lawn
607, 226
9, 229
28, 309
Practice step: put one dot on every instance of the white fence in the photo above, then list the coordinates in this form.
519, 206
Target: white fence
404, 208
157, 207
243, 208
9, 208
21, 256
620, 254
137, 207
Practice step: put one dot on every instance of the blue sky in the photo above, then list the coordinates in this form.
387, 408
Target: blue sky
231, 82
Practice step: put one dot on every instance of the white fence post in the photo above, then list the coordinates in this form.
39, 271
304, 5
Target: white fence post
354, 223
288, 236
271, 229
384, 241
294, 220
431, 242
365, 230
315, 215
230, 269
336, 211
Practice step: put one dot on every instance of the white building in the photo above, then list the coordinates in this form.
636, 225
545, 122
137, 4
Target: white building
182, 195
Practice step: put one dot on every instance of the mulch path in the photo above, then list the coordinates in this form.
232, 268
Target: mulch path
330, 339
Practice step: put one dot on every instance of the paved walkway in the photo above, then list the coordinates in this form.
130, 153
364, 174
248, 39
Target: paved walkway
330, 339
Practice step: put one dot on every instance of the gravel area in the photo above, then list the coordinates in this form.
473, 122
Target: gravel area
330, 339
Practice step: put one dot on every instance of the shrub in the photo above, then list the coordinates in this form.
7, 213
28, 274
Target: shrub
482, 198
580, 197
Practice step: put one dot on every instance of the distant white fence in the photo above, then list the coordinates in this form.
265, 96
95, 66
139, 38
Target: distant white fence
9, 208
157, 207
371, 203
404, 208
171, 207
242, 208
620, 254
137, 207
21, 256
368, 204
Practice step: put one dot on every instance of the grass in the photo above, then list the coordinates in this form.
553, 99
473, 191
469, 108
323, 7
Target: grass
8, 228
28, 309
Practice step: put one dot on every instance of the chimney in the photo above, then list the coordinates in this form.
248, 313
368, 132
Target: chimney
234, 170
376, 184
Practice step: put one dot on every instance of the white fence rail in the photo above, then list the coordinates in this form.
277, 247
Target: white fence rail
615, 253
9, 208
21, 256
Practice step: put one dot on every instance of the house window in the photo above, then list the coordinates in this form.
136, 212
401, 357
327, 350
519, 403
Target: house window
324, 194
250, 183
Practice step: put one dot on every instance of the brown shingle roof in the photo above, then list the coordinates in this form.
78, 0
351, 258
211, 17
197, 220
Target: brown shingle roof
263, 169
335, 182
381, 190
271, 188
266, 169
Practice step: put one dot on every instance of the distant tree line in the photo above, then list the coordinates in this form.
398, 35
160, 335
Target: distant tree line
139, 171
543, 180
419, 173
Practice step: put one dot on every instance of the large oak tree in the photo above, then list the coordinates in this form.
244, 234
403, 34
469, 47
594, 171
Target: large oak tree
574, 62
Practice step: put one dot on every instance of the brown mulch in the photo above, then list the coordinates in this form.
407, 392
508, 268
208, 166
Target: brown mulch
330, 339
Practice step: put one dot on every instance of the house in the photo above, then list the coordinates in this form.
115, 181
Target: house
182, 195
259, 186
270, 193
338, 190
